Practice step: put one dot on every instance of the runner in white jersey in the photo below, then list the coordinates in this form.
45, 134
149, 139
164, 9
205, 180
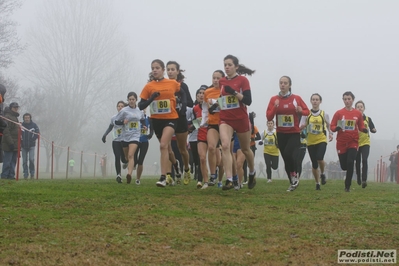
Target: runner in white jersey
117, 131
130, 116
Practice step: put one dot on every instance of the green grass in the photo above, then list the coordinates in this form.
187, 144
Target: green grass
100, 222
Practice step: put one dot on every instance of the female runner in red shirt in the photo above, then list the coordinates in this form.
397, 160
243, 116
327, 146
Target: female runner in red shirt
235, 96
288, 108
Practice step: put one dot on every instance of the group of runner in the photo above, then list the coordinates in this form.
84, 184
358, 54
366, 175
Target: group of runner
217, 125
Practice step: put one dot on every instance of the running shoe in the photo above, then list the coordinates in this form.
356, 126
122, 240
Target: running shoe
199, 185
161, 182
177, 169
169, 181
291, 188
347, 190
236, 185
269, 181
128, 178
178, 180
187, 177
318, 187
212, 181
118, 179
323, 179
228, 185
137, 181
205, 186
251, 181
124, 165
364, 184
245, 183
295, 182
220, 184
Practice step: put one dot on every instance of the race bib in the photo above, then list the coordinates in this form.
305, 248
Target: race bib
143, 131
228, 102
269, 142
285, 120
160, 107
315, 129
349, 124
117, 133
133, 126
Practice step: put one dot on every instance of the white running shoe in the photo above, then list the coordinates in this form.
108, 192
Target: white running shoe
205, 186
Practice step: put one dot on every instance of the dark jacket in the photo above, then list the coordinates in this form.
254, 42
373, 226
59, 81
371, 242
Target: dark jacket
28, 138
10, 133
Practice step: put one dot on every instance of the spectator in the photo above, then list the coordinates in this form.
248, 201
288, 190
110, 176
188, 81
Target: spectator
10, 141
30, 133
393, 167
2, 122
71, 165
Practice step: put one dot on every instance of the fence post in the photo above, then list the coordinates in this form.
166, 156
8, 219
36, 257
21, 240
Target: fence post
81, 163
381, 180
95, 163
37, 156
378, 171
67, 163
52, 159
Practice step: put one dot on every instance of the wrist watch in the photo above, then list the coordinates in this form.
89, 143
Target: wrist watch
235, 93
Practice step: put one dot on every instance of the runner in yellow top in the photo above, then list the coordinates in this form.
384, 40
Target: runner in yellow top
318, 124
364, 146
270, 149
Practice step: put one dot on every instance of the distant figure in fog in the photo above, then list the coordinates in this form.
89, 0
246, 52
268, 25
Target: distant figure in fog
29, 136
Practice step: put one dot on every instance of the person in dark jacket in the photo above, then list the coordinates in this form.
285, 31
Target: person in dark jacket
10, 141
3, 124
29, 135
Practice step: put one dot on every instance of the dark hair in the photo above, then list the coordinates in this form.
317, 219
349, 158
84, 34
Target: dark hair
361, 103
161, 63
132, 94
316, 94
180, 77
270, 121
202, 88
241, 70
124, 104
220, 72
348, 93
251, 120
27, 114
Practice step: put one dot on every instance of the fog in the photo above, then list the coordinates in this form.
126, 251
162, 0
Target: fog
327, 47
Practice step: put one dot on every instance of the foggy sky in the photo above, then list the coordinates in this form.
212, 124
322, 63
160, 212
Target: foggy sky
327, 47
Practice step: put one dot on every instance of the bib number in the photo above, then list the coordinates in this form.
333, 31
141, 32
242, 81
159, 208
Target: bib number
315, 129
228, 102
160, 107
286, 120
117, 132
133, 126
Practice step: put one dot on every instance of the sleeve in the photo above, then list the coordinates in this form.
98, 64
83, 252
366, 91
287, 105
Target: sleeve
245, 85
360, 123
371, 125
303, 121
119, 117
271, 109
189, 100
302, 104
262, 135
333, 125
109, 129
145, 93
247, 97
37, 132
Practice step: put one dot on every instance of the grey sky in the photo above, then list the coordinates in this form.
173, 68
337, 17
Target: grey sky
325, 46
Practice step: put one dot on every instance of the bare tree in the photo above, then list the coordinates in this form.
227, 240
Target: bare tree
77, 58
10, 45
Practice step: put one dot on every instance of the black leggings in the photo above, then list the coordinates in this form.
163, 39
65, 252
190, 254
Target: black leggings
361, 157
142, 148
196, 159
301, 156
288, 144
119, 156
347, 160
271, 161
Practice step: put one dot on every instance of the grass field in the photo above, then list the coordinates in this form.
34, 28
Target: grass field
100, 222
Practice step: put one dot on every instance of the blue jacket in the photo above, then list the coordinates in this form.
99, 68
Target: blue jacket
28, 138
